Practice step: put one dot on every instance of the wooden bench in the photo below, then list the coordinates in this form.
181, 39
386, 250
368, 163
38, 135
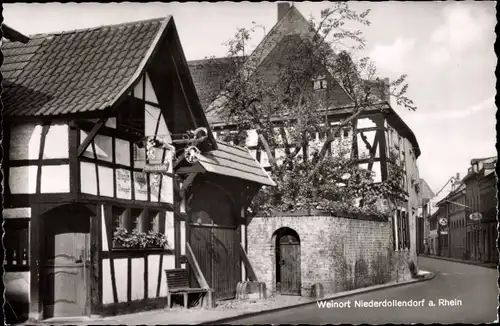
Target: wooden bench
178, 283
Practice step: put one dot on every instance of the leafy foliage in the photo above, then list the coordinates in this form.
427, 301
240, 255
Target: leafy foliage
137, 239
276, 97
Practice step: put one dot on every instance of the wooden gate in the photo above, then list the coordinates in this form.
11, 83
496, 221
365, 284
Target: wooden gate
215, 248
289, 265
66, 266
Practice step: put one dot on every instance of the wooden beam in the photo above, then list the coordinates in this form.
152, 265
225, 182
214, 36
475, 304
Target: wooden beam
248, 265
382, 148
195, 267
189, 180
182, 89
370, 129
36, 297
90, 137
179, 160
45, 130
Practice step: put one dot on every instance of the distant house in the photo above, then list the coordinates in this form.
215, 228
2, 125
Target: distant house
379, 133
78, 106
481, 198
424, 213
453, 209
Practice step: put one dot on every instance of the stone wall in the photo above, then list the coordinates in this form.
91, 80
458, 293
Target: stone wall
340, 253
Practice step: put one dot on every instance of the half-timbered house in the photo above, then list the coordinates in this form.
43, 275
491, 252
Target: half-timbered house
378, 138
88, 229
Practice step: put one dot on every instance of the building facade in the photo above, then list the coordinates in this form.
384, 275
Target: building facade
423, 219
453, 210
378, 137
481, 197
89, 230
469, 207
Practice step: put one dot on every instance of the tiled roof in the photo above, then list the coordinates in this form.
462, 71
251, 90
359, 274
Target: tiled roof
75, 71
234, 161
208, 76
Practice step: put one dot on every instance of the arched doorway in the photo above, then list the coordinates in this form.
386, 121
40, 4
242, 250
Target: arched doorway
66, 261
288, 276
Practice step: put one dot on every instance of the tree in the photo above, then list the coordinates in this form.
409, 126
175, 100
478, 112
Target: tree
276, 97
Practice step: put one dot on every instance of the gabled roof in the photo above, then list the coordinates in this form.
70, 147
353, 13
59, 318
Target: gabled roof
77, 71
234, 161
208, 77
426, 190
487, 169
13, 35
292, 23
491, 159
454, 193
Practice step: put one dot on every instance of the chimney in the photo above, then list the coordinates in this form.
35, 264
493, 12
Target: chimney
282, 9
458, 177
387, 95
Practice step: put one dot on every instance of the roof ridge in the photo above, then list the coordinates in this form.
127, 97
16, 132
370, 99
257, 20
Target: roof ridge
242, 148
198, 61
92, 28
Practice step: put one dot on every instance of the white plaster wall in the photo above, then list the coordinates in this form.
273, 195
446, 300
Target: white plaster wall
25, 141
56, 142
107, 289
22, 179
106, 181
138, 278
55, 178
88, 178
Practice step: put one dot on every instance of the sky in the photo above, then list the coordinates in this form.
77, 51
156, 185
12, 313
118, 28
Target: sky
445, 48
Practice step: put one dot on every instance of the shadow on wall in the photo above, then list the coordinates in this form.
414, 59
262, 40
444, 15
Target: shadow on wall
384, 268
17, 292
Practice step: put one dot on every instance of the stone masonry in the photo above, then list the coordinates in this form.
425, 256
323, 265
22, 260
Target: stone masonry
340, 253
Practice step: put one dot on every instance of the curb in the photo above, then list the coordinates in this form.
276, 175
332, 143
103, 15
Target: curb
426, 277
460, 261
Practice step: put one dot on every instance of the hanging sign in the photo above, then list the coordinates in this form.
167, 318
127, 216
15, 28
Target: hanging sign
158, 156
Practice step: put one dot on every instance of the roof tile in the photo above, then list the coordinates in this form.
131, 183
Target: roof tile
73, 71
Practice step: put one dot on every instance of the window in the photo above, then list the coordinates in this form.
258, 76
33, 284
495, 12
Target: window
346, 132
130, 117
16, 242
402, 230
320, 83
144, 220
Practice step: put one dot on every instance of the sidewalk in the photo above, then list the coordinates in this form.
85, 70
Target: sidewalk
470, 262
230, 310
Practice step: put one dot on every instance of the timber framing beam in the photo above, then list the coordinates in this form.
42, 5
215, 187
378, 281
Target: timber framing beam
193, 263
90, 137
186, 99
250, 271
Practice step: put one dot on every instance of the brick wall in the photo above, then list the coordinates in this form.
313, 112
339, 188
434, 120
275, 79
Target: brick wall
339, 253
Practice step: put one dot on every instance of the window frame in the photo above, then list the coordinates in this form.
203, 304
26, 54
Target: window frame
13, 233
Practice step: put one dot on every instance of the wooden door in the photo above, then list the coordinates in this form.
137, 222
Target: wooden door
215, 250
200, 240
66, 270
289, 255
226, 265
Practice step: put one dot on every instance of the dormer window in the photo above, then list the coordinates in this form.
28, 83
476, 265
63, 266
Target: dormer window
320, 83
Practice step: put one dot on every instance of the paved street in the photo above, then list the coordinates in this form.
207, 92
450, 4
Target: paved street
474, 288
